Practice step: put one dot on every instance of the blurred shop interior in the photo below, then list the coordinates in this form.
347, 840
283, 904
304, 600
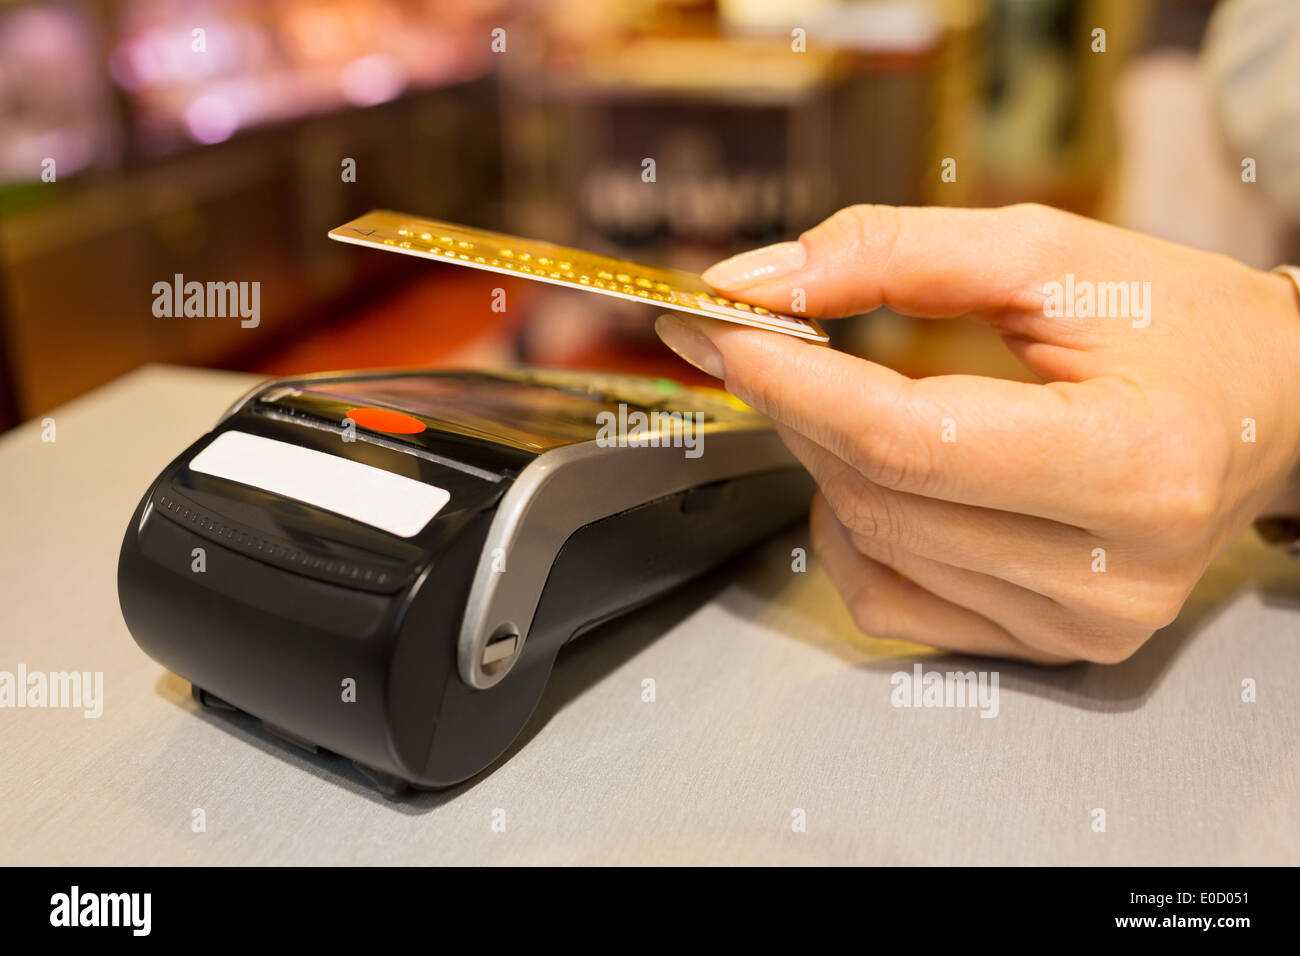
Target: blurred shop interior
762, 116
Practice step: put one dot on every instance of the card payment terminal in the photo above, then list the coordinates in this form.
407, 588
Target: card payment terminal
385, 564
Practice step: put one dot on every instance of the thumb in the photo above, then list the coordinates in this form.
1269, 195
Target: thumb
931, 262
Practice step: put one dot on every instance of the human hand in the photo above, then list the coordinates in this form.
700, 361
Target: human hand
1052, 522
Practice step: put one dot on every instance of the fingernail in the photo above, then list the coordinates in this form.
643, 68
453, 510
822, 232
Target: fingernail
757, 265
690, 345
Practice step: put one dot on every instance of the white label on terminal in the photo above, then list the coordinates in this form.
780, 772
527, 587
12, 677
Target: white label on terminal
381, 499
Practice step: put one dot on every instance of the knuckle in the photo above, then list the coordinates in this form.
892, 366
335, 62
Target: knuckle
860, 518
1042, 231
874, 616
883, 227
1148, 611
879, 550
867, 220
1146, 601
867, 229
1192, 505
1183, 503
1181, 471
1099, 642
870, 516
893, 460
846, 228
1033, 215
1113, 651
840, 498
1153, 606
884, 463
890, 452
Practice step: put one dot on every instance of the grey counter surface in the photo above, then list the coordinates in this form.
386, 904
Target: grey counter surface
769, 708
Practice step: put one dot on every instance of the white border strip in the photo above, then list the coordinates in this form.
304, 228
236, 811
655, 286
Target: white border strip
381, 499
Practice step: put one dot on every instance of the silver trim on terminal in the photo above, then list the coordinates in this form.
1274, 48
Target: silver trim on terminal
565, 489
244, 399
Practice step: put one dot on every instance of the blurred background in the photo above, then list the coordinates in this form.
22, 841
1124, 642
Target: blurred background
140, 139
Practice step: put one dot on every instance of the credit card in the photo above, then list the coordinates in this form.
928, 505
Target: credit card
546, 262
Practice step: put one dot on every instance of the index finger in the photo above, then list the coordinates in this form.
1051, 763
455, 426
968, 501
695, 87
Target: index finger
980, 441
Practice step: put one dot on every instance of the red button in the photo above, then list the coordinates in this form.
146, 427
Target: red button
386, 420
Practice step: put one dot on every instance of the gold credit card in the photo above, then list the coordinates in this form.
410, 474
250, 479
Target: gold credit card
546, 262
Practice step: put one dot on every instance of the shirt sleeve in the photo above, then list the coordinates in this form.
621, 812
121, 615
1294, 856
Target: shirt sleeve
1252, 57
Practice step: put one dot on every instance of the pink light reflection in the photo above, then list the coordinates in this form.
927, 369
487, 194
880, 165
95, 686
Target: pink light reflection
211, 118
372, 79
